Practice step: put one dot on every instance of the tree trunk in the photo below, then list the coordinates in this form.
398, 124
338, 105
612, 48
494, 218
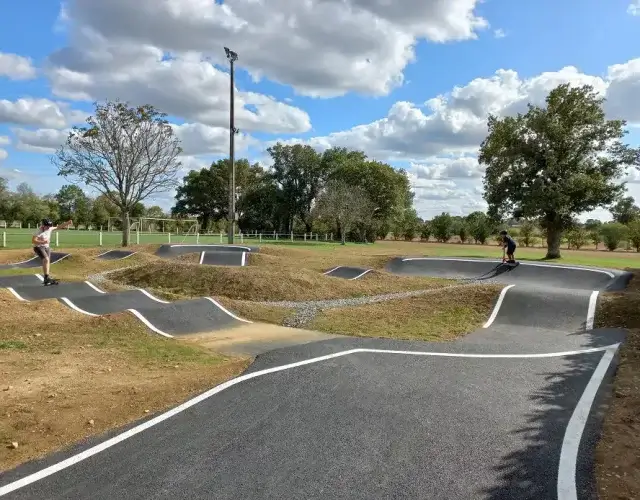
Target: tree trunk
125, 228
554, 236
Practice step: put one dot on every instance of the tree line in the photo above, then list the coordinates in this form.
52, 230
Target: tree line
548, 165
70, 202
340, 191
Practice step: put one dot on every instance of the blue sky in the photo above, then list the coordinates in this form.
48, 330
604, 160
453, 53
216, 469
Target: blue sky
325, 87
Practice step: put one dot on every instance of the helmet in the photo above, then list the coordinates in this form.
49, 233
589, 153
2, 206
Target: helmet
47, 222
503, 233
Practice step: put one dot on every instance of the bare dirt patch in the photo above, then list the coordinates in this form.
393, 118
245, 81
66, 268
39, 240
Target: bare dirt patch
438, 316
618, 451
65, 376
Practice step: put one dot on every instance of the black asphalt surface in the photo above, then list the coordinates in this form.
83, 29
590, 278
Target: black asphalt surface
174, 250
173, 318
347, 272
34, 262
115, 255
532, 274
371, 425
220, 258
68, 289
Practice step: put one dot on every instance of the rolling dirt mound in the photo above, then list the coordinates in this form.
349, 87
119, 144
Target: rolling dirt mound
263, 283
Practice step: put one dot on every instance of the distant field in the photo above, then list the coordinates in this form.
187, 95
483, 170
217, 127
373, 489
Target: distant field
21, 239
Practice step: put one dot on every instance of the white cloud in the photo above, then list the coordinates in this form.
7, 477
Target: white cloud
364, 48
4, 140
44, 140
455, 123
634, 8
39, 112
465, 167
182, 85
499, 33
3, 154
198, 139
16, 67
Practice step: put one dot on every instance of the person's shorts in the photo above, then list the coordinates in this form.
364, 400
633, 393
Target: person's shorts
43, 252
511, 249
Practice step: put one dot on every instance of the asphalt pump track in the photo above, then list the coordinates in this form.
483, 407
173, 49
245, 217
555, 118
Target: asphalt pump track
510, 411
169, 319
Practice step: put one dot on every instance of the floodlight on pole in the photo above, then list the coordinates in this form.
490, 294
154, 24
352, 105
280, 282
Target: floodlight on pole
232, 57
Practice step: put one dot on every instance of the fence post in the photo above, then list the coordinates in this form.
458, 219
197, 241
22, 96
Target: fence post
220, 236
4, 239
241, 238
169, 233
138, 236
316, 236
197, 238
291, 235
100, 238
57, 242
305, 236
260, 238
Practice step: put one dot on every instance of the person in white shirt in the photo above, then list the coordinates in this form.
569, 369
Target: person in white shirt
41, 246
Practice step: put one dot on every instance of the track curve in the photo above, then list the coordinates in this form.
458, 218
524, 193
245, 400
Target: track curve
504, 412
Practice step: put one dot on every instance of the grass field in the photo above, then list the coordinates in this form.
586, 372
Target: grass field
68, 240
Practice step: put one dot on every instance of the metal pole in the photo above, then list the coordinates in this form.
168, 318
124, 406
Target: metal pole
232, 132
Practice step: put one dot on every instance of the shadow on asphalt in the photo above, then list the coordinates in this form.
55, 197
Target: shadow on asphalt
544, 431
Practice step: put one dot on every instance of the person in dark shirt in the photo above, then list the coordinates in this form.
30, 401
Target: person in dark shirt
510, 245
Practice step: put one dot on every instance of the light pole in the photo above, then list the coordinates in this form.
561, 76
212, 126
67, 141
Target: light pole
232, 57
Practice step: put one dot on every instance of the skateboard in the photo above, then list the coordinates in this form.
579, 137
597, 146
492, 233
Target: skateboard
51, 281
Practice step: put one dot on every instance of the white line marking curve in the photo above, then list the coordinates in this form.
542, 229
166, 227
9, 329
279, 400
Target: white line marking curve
591, 311
94, 450
496, 308
567, 489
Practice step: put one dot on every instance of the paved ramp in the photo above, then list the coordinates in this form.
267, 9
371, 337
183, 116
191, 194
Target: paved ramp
220, 258
115, 255
528, 273
172, 251
347, 272
165, 318
35, 261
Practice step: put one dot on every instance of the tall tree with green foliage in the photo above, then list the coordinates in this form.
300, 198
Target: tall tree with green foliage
625, 210
555, 162
442, 227
126, 153
74, 204
299, 175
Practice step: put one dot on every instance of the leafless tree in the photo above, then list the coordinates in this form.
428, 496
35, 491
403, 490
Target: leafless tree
349, 206
126, 153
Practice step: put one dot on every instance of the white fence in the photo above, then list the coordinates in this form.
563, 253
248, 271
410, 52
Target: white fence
72, 238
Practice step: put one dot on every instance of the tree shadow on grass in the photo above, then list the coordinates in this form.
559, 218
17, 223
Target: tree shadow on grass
531, 473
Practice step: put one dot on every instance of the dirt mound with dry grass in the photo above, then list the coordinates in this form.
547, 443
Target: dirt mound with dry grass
66, 376
260, 283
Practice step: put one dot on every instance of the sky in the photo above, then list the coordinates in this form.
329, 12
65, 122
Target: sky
410, 82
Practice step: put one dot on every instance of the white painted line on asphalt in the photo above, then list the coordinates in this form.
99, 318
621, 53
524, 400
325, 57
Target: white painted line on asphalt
127, 256
94, 450
224, 309
148, 323
201, 257
40, 277
95, 287
152, 297
121, 258
331, 270
206, 246
103, 253
522, 263
75, 307
21, 262
591, 312
496, 308
361, 274
61, 258
571, 443
243, 259
16, 294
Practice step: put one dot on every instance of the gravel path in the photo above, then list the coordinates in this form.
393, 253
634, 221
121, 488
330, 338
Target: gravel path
305, 311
